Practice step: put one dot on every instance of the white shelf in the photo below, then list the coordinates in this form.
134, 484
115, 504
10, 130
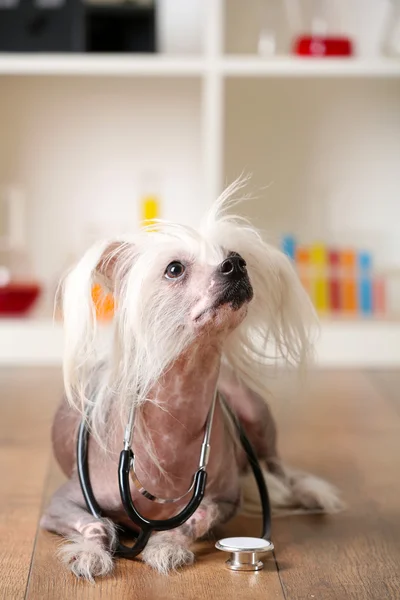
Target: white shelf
243, 66
359, 343
104, 65
166, 66
30, 342
341, 344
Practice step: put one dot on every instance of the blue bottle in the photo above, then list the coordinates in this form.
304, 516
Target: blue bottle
289, 246
365, 294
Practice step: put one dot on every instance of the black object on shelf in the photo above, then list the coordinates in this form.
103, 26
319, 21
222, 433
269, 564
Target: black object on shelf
72, 26
119, 28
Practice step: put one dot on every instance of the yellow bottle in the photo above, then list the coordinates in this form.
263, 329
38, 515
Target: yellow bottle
150, 210
318, 259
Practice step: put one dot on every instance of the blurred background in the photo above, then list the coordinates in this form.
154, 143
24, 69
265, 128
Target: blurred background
111, 112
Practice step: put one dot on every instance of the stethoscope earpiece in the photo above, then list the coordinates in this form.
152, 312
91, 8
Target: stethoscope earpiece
244, 552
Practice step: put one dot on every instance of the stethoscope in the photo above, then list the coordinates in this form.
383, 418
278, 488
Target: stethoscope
244, 550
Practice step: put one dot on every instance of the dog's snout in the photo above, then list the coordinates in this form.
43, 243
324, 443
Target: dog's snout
233, 266
234, 284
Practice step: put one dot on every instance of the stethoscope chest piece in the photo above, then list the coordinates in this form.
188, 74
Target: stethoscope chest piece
244, 552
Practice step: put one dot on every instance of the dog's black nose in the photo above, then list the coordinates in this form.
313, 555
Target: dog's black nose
233, 267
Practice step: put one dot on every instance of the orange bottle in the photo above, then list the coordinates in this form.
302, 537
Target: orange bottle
302, 258
349, 284
104, 303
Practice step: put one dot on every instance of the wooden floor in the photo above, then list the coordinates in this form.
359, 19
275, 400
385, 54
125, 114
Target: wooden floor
344, 426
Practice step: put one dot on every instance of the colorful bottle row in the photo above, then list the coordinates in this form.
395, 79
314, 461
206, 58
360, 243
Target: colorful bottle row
338, 281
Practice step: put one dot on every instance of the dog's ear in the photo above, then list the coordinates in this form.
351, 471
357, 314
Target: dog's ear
108, 262
105, 262
113, 264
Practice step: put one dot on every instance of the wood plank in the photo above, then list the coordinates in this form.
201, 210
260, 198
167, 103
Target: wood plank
388, 384
344, 426
344, 430
26, 405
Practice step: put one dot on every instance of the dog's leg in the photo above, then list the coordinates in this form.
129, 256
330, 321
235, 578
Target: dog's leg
289, 489
91, 541
168, 550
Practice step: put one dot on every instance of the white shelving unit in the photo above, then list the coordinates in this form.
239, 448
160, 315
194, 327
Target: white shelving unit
243, 66
165, 66
100, 65
341, 343
76, 130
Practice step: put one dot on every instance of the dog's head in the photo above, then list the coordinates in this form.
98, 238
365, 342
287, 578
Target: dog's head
175, 284
175, 287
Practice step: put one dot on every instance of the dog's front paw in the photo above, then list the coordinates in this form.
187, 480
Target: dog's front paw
165, 552
86, 558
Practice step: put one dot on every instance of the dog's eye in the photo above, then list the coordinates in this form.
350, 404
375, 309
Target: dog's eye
175, 270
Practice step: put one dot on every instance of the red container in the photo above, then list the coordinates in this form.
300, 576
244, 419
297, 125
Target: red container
334, 281
311, 45
17, 299
379, 296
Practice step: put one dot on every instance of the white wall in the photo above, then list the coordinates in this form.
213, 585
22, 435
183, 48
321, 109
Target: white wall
325, 155
80, 147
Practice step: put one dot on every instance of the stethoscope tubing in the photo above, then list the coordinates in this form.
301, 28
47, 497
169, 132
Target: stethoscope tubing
147, 526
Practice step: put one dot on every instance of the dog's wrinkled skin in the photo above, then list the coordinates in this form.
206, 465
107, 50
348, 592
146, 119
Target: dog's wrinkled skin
222, 297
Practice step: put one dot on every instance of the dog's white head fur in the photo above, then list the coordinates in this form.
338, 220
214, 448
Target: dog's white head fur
161, 310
